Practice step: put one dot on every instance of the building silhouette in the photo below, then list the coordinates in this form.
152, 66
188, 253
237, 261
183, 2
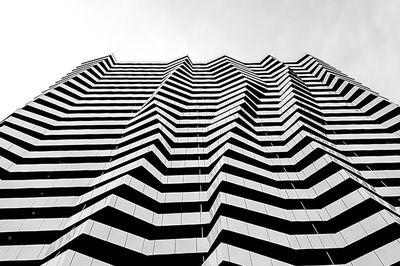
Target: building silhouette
181, 163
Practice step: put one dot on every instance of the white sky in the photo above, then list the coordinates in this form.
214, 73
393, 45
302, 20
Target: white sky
41, 41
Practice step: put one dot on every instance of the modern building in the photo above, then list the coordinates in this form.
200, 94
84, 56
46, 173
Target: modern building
181, 163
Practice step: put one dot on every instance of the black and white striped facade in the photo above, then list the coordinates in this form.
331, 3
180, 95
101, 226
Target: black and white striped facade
182, 163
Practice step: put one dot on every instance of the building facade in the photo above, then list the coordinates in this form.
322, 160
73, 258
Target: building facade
182, 163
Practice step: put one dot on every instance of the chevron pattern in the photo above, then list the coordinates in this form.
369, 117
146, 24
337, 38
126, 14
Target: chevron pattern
221, 163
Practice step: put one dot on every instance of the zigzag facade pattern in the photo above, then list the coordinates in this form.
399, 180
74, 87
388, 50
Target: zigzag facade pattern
182, 163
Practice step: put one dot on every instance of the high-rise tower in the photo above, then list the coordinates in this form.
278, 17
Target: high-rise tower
202, 164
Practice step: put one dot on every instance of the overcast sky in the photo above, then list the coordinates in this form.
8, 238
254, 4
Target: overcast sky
41, 41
